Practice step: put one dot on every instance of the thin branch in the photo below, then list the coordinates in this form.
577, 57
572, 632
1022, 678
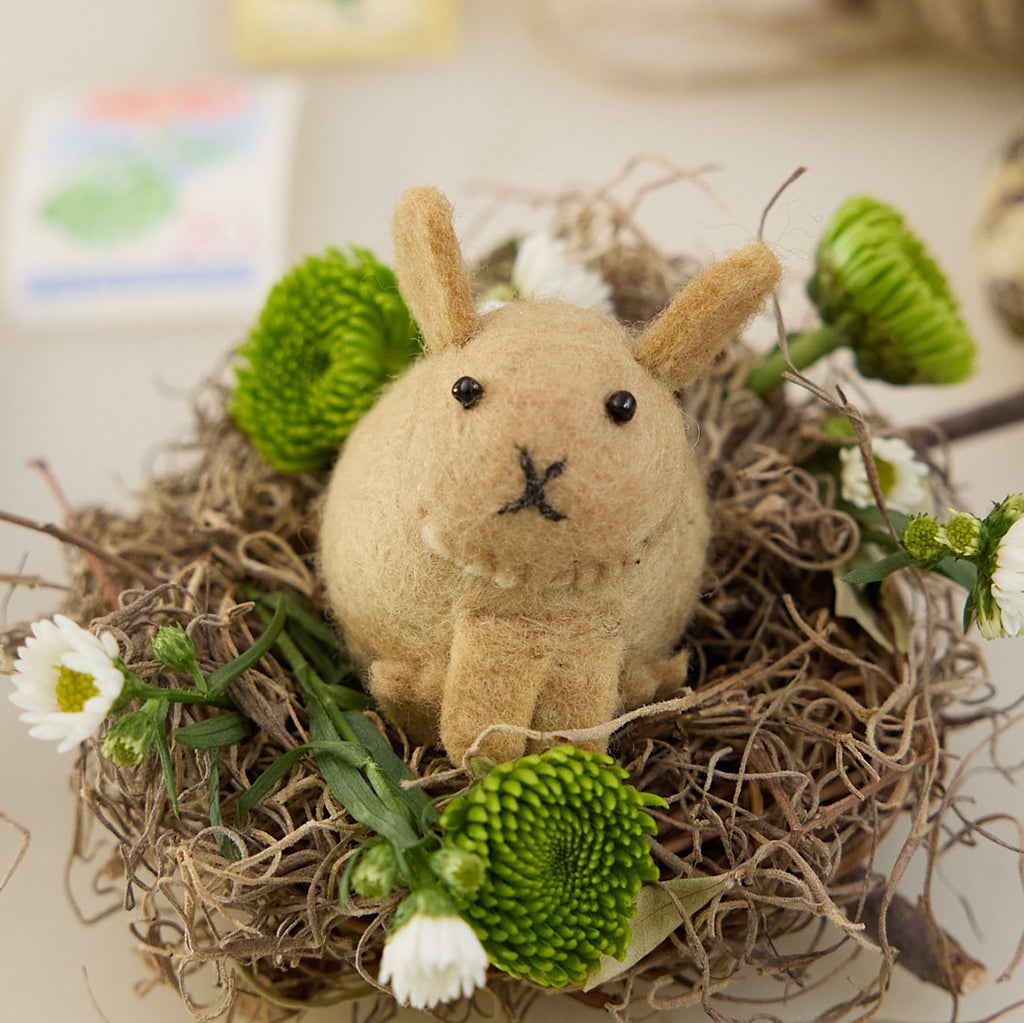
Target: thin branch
26, 837
122, 564
30, 582
95, 563
993, 415
924, 949
771, 202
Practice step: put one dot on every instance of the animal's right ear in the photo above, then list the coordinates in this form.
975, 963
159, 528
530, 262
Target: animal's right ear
431, 273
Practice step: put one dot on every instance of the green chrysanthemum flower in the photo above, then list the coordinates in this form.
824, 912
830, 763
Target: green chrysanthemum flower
879, 289
562, 839
879, 292
332, 332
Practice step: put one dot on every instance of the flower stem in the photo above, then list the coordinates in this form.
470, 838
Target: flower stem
315, 688
135, 688
804, 349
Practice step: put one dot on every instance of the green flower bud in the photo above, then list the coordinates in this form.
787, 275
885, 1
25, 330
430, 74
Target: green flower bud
563, 842
130, 738
427, 901
173, 648
332, 333
376, 871
962, 534
921, 540
461, 872
997, 600
1005, 514
878, 289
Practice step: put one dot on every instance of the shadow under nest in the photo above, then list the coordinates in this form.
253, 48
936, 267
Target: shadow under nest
805, 739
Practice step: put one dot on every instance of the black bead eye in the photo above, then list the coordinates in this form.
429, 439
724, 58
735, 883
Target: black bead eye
620, 407
467, 391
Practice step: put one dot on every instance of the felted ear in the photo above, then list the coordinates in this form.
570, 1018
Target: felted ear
431, 274
694, 327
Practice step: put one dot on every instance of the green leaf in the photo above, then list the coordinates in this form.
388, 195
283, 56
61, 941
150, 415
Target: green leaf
853, 602
393, 766
880, 569
220, 679
213, 733
963, 573
348, 698
657, 916
166, 764
352, 753
266, 781
226, 846
352, 790
872, 515
970, 609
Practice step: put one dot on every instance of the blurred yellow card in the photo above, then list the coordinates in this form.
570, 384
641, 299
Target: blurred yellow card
289, 31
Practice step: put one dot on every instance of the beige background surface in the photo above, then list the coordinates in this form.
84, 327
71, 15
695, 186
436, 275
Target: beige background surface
918, 131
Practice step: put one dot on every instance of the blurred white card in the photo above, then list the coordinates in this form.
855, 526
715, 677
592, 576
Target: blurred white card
143, 203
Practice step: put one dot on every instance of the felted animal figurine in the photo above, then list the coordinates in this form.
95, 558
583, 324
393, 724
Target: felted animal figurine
515, 533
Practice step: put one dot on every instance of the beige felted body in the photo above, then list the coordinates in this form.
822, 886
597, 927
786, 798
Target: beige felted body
525, 558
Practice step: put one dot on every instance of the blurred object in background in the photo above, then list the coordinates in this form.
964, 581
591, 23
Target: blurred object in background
151, 201
297, 31
983, 28
737, 43
1001, 234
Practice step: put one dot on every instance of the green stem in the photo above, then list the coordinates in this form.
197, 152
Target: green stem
198, 678
315, 688
135, 688
415, 868
804, 349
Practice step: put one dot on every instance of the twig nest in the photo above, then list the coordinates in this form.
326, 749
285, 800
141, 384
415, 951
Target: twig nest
806, 738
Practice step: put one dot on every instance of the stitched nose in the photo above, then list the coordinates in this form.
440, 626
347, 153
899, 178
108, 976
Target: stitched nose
533, 495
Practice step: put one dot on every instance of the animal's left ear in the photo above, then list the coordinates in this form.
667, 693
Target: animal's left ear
695, 326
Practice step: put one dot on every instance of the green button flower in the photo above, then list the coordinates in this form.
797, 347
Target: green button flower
332, 333
881, 294
562, 840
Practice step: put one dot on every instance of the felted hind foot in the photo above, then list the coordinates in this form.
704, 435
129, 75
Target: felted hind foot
409, 696
644, 683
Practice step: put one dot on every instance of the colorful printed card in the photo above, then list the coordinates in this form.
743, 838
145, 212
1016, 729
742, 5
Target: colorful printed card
150, 202
288, 31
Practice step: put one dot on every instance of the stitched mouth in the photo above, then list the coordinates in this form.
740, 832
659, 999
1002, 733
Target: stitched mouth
533, 493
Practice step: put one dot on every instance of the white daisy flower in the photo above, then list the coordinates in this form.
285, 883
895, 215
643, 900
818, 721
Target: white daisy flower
66, 681
432, 958
904, 480
1008, 586
544, 268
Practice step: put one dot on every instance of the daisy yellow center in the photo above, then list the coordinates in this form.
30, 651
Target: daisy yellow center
886, 474
74, 688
